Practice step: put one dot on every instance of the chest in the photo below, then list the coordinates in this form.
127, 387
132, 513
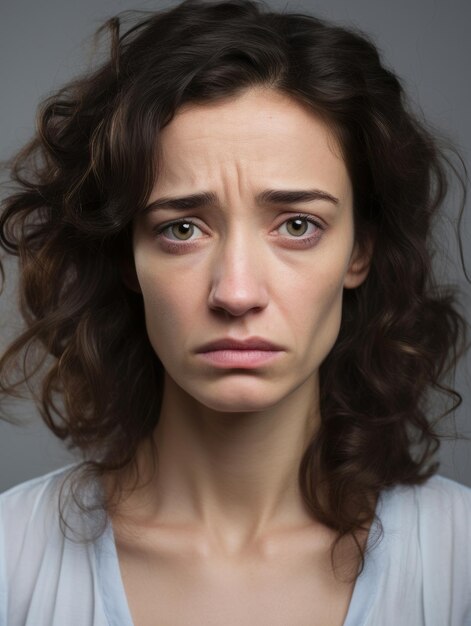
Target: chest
183, 591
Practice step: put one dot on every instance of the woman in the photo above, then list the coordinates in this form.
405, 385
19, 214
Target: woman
225, 246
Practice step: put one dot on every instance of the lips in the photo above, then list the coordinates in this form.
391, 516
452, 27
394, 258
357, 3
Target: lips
251, 343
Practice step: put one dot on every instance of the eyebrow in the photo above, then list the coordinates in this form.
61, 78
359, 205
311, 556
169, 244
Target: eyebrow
268, 196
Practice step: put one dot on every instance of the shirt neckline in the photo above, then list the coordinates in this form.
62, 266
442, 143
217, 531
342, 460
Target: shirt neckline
368, 582
116, 605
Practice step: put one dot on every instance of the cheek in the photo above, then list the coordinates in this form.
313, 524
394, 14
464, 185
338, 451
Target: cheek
317, 312
169, 304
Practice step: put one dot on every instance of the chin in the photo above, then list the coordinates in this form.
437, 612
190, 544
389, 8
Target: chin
237, 398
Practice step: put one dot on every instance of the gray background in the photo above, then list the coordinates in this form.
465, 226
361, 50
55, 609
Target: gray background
43, 43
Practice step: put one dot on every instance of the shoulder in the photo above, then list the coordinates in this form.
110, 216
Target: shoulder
46, 507
439, 489
424, 559
38, 563
436, 515
443, 509
438, 502
30, 514
32, 507
34, 495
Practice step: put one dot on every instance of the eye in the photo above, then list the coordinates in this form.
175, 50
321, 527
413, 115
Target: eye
182, 230
298, 225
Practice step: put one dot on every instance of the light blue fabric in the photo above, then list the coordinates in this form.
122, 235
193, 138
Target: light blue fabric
419, 574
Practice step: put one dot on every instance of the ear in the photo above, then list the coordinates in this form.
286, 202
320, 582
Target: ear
360, 262
129, 275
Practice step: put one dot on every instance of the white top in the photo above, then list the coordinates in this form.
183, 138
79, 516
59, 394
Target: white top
419, 574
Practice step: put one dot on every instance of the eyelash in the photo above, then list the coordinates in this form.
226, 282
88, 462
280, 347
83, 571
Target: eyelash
174, 245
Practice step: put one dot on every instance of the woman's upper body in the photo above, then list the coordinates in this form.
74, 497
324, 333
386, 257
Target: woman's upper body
417, 574
224, 242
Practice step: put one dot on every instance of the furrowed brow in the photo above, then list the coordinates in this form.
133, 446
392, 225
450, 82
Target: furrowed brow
268, 196
281, 196
193, 201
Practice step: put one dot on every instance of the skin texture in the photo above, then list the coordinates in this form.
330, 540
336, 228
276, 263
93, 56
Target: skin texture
224, 505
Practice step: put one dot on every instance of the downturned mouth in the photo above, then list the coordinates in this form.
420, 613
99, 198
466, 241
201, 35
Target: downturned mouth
250, 343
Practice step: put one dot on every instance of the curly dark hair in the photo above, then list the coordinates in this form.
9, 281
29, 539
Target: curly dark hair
90, 169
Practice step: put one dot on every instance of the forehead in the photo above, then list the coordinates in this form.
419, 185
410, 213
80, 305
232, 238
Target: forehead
261, 132
266, 108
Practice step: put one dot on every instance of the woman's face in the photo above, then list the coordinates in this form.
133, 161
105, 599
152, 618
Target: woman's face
244, 266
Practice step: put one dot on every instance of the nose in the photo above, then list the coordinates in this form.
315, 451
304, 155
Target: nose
238, 279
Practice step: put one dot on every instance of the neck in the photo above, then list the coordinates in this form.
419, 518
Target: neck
232, 475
